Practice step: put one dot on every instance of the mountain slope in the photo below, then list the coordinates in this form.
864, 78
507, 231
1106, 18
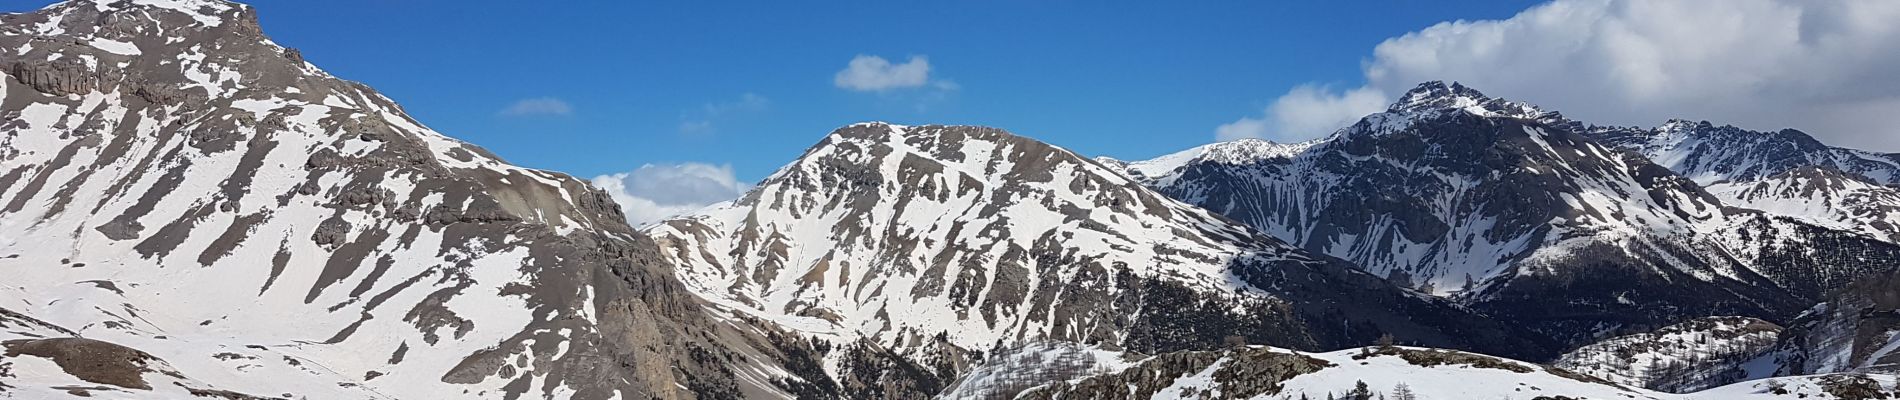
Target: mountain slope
915, 238
1823, 197
1707, 153
1510, 209
1690, 356
173, 182
1857, 329
1784, 172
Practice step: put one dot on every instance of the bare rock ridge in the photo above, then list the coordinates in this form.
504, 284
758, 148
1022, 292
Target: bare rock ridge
175, 182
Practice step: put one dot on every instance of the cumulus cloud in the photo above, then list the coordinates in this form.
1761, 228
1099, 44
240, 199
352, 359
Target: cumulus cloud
1824, 67
702, 121
539, 106
868, 73
1305, 112
655, 192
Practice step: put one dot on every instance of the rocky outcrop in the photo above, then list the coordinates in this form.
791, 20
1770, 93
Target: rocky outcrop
1243, 373
90, 360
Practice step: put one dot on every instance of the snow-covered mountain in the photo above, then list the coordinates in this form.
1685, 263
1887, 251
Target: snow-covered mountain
924, 238
1785, 172
1389, 372
1690, 356
187, 208
1511, 209
1708, 154
1821, 196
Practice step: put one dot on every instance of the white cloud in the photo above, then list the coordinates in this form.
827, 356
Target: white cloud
1306, 112
1825, 67
655, 192
1245, 128
701, 121
868, 73
537, 107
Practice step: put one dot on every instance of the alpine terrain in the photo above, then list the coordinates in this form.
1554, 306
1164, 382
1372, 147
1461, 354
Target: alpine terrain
188, 209
191, 210
943, 243
1529, 216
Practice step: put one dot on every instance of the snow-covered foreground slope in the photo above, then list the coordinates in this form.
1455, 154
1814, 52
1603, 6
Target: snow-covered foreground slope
1272, 373
957, 240
1512, 210
173, 182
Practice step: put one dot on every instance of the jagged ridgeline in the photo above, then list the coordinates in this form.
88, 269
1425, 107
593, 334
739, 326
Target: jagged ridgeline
1570, 229
179, 190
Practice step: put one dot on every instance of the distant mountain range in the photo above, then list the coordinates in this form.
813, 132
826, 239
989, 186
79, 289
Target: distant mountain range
191, 210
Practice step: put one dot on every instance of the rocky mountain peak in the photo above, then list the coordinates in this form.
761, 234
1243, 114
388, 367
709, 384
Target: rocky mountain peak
1438, 93
1438, 96
941, 142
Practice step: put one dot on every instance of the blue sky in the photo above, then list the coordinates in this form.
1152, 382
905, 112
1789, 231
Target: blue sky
750, 84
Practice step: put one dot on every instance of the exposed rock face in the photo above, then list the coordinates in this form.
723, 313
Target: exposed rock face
1513, 211
85, 367
89, 360
173, 181
1237, 374
1686, 357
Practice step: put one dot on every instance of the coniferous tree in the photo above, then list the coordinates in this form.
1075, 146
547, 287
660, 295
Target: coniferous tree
1359, 392
1403, 392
